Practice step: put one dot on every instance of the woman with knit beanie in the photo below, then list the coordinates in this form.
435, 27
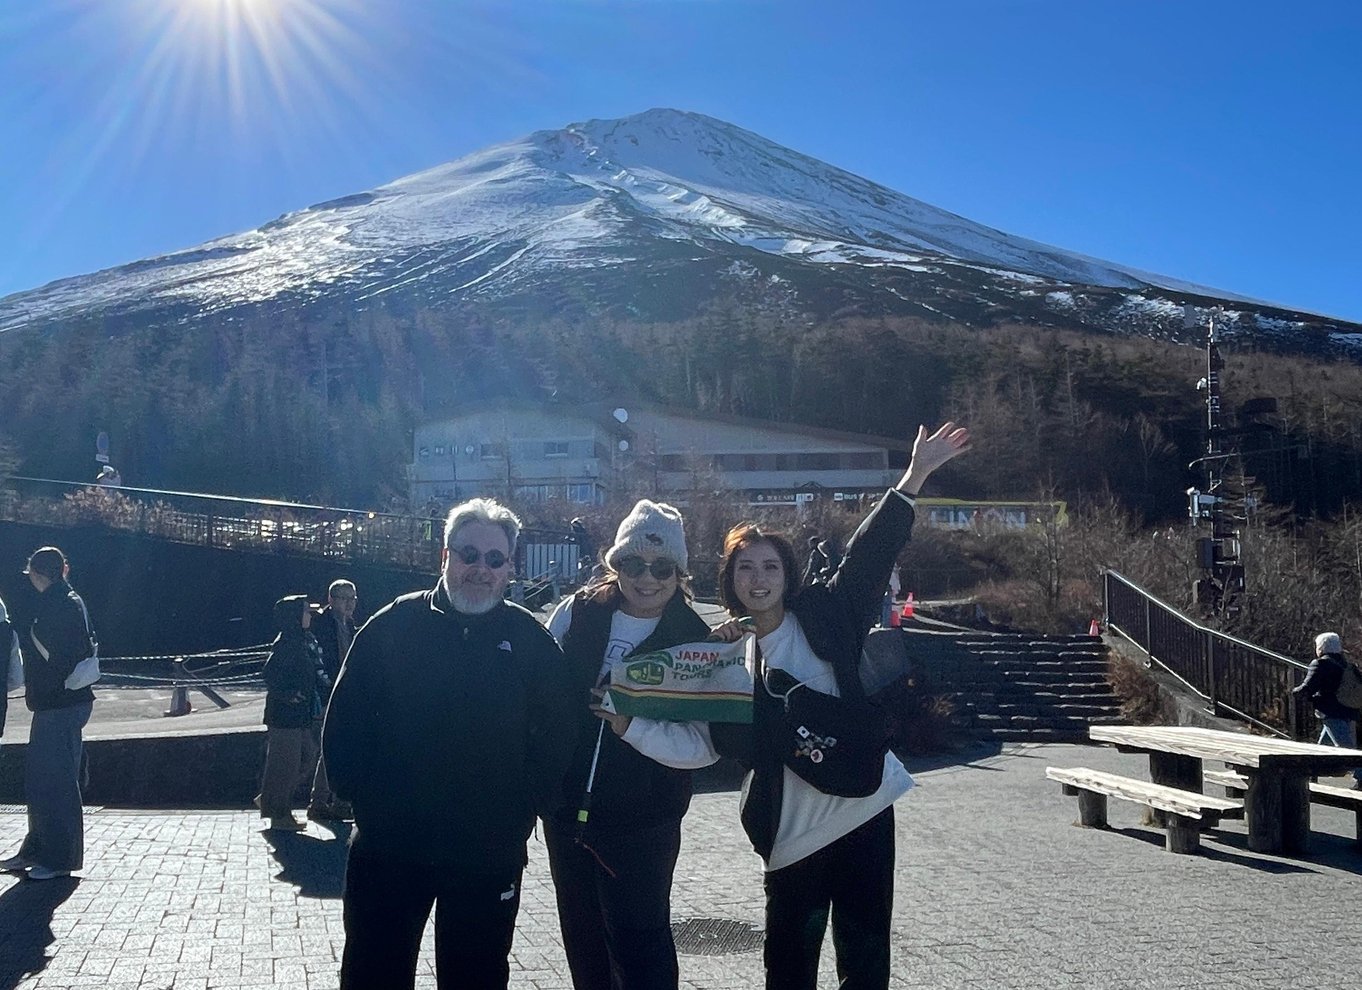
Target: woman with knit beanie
295, 683
612, 865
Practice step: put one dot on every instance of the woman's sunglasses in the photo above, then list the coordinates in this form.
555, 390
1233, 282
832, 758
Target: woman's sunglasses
494, 559
633, 567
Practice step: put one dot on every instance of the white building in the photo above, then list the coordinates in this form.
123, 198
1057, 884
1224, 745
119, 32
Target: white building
585, 453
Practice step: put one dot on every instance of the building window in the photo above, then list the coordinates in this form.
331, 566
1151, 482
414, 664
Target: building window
816, 462
491, 451
585, 494
555, 448
863, 460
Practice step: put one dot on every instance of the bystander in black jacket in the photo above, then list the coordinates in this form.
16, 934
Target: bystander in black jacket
59, 624
328, 638
449, 732
294, 680
1321, 686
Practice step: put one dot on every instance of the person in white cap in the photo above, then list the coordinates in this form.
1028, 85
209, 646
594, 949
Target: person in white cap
629, 778
109, 477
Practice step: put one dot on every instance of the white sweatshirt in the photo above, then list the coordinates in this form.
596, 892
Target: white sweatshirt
680, 745
810, 819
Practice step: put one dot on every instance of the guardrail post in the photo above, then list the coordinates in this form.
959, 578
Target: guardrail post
1212, 670
1148, 629
179, 698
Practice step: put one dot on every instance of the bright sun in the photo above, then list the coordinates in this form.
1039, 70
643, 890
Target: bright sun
244, 55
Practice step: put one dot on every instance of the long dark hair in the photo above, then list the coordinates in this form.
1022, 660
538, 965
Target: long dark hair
739, 538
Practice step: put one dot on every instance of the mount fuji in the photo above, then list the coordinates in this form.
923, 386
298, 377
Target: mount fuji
649, 217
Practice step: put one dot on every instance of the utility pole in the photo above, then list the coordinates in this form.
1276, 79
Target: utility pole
1220, 589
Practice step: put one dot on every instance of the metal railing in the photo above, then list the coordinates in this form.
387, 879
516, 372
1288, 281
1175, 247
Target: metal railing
1235, 677
257, 525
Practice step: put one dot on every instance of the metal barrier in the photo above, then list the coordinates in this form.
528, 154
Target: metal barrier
255, 525
1235, 677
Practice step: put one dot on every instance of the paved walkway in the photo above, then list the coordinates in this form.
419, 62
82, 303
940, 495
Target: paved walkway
995, 890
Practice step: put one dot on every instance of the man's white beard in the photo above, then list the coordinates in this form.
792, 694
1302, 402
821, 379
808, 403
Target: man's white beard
461, 602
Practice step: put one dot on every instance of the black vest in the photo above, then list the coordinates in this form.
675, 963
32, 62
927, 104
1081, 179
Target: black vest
630, 790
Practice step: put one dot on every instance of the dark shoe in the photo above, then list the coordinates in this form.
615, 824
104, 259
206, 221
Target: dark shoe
322, 813
15, 864
43, 873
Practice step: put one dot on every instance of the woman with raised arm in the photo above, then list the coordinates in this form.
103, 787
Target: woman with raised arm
818, 803
613, 843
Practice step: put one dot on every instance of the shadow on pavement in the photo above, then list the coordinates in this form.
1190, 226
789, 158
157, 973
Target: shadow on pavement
26, 911
727, 774
1223, 847
316, 866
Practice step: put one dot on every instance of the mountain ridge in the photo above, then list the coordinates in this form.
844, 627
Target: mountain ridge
636, 214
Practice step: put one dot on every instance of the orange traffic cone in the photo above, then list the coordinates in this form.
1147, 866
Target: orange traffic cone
179, 702
908, 606
1094, 628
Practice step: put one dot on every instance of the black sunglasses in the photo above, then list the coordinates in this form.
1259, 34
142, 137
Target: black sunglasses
494, 559
633, 567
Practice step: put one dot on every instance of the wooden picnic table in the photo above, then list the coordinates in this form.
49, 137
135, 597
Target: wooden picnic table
1277, 801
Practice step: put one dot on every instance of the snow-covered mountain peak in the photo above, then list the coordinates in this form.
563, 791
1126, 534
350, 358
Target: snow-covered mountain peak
661, 198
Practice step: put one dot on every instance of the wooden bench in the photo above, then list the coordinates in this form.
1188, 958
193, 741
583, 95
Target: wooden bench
1339, 797
1185, 810
1236, 784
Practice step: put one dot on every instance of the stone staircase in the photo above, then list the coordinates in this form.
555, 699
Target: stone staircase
1016, 686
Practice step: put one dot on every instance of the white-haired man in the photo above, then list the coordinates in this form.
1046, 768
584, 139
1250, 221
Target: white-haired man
451, 724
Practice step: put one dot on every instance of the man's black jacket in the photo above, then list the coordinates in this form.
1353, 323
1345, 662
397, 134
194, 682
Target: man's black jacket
448, 732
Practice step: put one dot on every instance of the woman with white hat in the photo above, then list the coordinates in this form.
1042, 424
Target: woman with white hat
613, 843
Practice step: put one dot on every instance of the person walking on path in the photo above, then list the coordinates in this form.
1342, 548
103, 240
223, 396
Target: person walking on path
1321, 684
295, 684
334, 629
818, 803
450, 727
612, 874
57, 641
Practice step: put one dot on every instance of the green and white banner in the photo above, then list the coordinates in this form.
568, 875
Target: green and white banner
694, 682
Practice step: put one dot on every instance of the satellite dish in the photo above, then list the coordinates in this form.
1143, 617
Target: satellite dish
621, 415
624, 445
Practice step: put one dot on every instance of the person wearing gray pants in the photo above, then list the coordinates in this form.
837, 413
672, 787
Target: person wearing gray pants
59, 639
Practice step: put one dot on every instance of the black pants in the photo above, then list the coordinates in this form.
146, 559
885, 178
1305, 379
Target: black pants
853, 876
617, 930
386, 904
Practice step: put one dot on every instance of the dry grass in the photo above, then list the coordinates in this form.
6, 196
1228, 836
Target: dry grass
1142, 703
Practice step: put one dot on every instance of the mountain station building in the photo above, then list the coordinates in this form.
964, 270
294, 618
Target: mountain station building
586, 454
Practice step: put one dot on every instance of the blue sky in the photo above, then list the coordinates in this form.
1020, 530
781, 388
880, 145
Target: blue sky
1217, 141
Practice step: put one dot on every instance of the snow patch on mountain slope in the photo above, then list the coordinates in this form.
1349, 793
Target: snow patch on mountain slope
590, 195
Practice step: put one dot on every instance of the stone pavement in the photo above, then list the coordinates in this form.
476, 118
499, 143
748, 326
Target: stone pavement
995, 889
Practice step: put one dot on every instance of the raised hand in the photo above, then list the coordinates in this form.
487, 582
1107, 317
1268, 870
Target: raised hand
930, 452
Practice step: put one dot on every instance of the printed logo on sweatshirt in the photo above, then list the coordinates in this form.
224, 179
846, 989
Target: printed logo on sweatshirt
505, 644
506, 895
